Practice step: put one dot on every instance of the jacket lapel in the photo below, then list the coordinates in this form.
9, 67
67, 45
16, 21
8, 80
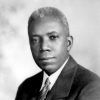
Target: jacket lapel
64, 82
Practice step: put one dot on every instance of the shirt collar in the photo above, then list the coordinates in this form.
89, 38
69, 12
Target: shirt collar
53, 77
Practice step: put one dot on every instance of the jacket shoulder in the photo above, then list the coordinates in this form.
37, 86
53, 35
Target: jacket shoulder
32, 81
88, 84
29, 87
85, 82
85, 76
82, 75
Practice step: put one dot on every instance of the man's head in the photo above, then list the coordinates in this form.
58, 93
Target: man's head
49, 38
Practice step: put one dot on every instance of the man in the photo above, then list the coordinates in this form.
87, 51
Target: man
50, 43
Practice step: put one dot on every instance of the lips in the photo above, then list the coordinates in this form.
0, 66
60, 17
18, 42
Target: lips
46, 58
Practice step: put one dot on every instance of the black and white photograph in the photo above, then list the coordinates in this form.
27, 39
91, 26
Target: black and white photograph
49, 50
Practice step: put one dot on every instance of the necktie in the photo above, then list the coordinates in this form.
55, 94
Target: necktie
45, 90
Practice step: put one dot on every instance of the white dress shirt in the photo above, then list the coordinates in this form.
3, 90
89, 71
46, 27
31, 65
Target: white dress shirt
53, 77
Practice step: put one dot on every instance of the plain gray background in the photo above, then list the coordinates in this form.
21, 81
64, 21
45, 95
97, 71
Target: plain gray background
16, 62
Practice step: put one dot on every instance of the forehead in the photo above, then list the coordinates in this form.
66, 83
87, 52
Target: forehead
49, 23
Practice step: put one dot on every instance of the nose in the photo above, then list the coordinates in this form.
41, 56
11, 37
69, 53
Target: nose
44, 45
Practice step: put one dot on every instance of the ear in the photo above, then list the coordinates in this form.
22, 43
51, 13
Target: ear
69, 42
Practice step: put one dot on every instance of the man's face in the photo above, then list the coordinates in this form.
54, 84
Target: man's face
48, 42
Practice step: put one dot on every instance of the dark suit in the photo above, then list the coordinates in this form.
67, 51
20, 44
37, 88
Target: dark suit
74, 83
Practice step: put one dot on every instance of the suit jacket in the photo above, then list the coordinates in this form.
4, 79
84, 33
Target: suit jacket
74, 83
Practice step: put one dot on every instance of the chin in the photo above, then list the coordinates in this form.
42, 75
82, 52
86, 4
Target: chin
49, 69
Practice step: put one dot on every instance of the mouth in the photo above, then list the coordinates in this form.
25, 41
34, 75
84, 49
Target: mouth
45, 59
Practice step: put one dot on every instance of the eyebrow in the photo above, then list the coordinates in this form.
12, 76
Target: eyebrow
48, 33
52, 32
35, 35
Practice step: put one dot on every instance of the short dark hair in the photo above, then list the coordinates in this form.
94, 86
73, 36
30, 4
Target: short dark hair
48, 11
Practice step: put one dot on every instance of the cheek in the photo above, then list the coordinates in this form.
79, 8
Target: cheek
58, 48
61, 48
35, 50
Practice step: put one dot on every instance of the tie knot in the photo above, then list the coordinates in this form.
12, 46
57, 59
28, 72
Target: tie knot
47, 82
44, 91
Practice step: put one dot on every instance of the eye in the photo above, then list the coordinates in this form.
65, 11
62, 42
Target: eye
35, 40
53, 37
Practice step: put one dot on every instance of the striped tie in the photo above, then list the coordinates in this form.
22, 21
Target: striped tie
45, 90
